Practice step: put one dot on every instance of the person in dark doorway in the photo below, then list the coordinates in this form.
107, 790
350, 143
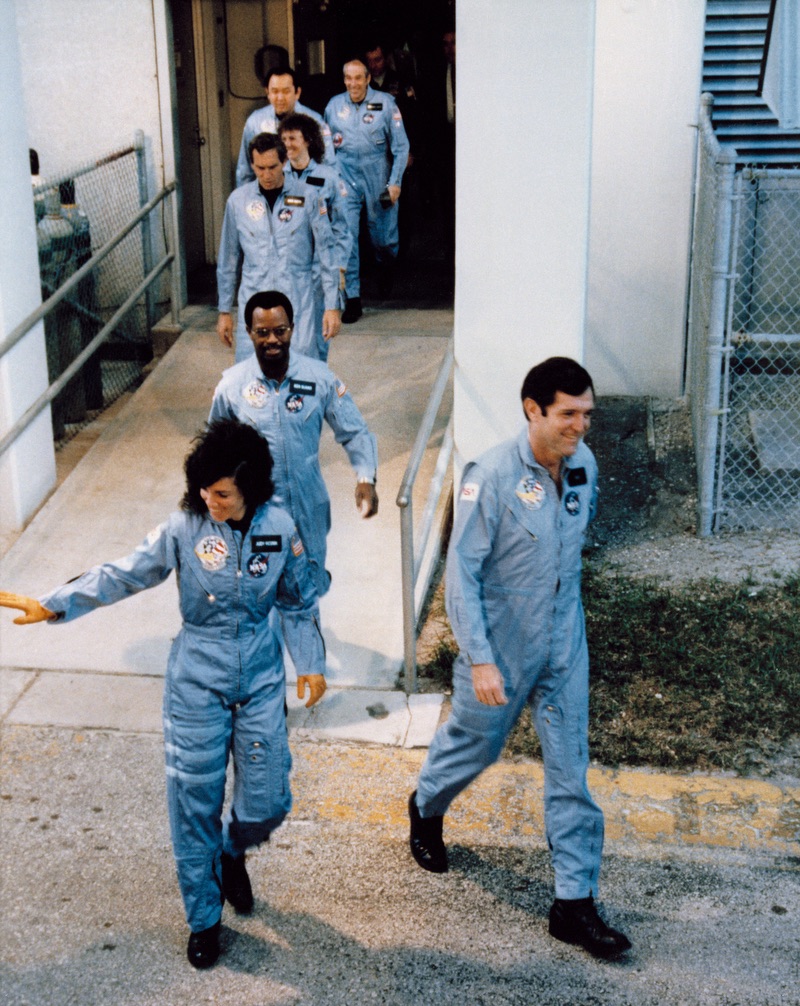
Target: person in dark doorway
283, 95
286, 396
277, 237
236, 556
371, 154
513, 595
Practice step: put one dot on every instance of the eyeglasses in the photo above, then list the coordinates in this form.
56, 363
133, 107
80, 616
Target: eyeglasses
280, 332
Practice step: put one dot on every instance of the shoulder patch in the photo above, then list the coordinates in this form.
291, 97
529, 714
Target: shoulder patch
470, 492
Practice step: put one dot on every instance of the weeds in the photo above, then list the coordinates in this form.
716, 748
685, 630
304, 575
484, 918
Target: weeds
694, 678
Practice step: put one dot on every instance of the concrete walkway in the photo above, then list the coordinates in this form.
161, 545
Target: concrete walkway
110, 665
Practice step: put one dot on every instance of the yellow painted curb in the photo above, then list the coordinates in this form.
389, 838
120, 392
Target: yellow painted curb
367, 787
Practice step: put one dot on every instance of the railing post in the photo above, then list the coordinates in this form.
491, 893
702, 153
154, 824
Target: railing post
726, 160
175, 297
408, 584
147, 241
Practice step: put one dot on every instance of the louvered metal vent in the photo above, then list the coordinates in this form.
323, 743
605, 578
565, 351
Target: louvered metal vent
735, 37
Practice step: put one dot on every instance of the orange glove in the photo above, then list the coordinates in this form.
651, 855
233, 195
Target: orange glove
34, 612
316, 685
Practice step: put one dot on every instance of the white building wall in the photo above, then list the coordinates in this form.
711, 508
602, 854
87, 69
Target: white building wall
27, 467
648, 65
89, 78
522, 202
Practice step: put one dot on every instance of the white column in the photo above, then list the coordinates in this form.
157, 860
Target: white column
27, 468
524, 124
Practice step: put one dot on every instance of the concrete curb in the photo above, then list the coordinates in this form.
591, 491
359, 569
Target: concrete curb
367, 787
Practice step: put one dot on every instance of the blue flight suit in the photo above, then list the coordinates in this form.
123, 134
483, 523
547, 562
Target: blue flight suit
513, 597
264, 120
225, 685
277, 251
322, 182
371, 152
289, 416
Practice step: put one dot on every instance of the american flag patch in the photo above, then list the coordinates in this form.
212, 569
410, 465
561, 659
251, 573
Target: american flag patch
341, 388
297, 545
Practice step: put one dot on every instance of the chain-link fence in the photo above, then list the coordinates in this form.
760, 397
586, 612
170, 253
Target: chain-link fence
744, 341
79, 212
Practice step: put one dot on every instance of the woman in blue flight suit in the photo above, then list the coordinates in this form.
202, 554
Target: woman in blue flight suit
236, 555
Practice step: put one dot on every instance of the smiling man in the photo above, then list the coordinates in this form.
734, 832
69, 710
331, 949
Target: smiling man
514, 601
286, 396
283, 95
371, 155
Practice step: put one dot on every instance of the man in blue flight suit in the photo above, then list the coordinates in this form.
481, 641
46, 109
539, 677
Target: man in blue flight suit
286, 396
513, 595
371, 153
283, 96
276, 236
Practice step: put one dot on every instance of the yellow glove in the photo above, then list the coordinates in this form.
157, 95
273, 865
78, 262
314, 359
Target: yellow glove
316, 685
34, 612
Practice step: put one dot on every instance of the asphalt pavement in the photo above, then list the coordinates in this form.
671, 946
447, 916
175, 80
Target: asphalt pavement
702, 872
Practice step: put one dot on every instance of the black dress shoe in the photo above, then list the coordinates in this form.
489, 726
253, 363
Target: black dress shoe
203, 949
236, 884
425, 839
352, 310
578, 922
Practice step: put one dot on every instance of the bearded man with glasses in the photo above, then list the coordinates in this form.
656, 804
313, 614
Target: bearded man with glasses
286, 396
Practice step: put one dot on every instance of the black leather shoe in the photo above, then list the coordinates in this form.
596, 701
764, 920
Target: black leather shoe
352, 310
578, 922
425, 839
203, 949
236, 884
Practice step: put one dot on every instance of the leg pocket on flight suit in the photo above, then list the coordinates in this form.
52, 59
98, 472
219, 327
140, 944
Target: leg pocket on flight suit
262, 777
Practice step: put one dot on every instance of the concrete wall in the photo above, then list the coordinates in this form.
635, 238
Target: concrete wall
648, 62
522, 202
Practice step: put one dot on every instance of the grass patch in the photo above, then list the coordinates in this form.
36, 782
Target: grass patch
701, 677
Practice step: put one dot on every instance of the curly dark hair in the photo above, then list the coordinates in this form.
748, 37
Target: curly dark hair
228, 449
558, 373
312, 134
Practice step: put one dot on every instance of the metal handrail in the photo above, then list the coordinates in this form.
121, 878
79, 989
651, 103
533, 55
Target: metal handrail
170, 259
411, 559
57, 386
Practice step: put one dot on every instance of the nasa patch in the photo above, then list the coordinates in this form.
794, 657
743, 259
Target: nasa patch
572, 503
294, 403
285, 215
257, 565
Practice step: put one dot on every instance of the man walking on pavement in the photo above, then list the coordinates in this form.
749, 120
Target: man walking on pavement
277, 237
513, 597
371, 154
286, 396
